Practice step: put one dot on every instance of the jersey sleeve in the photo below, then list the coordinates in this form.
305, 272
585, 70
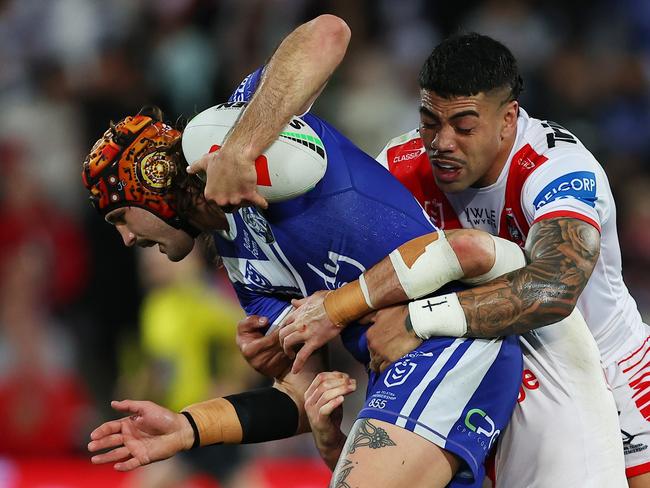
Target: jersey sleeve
406, 143
571, 184
262, 304
244, 92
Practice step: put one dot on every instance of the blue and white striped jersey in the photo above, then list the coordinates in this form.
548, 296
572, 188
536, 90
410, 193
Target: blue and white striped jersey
355, 216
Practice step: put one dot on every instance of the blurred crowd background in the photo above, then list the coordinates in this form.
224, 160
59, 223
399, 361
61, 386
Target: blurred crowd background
84, 320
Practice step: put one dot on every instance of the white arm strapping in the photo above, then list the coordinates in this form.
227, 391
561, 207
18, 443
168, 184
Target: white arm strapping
508, 257
438, 316
436, 266
364, 290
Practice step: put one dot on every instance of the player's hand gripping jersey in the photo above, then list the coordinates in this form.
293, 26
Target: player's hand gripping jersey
548, 174
458, 393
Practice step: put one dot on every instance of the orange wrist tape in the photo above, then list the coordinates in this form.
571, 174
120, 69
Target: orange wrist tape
216, 421
346, 304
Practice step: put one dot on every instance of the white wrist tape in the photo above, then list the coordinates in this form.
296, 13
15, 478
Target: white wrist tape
438, 316
436, 266
508, 256
364, 290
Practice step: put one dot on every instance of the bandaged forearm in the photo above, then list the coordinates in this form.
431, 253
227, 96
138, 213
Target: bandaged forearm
421, 265
508, 257
254, 416
438, 316
425, 264
348, 303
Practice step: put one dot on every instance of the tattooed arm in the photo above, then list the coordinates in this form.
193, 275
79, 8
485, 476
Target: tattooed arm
562, 254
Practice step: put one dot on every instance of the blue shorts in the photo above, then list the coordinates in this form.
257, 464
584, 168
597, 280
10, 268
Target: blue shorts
457, 393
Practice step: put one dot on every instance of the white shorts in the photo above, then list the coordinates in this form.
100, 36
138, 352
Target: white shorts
564, 430
629, 379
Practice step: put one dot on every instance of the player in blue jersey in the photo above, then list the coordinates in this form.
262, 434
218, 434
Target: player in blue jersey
436, 412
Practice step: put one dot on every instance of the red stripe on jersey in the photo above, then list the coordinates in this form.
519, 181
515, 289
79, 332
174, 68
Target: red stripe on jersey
568, 213
513, 225
641, 370
641, 402
638, 362
635, 351
633, 471
409, 163
645, 412
633, 384
642, 387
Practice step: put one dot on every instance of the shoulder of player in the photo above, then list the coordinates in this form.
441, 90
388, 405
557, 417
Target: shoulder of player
410, 139
556, 149
552, 140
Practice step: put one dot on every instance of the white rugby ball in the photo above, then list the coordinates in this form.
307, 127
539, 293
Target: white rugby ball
290, 167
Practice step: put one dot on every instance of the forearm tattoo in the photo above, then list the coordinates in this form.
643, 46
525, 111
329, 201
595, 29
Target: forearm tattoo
562, 253
408, 325
364, 435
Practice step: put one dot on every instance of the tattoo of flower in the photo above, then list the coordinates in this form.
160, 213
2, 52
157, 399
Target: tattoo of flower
371, 436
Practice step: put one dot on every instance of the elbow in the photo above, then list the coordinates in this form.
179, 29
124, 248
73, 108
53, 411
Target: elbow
333, 34
556, 300
474, 250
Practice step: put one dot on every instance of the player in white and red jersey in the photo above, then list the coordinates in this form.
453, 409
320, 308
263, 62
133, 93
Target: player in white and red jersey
545, 191
480, 161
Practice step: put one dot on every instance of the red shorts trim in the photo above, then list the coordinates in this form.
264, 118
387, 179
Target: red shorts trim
633, 471
567, 213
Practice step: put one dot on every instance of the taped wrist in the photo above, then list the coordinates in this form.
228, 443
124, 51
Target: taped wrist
425, 264
508, 257
215, 422
438, 316
260, 415
266, 414
348, 303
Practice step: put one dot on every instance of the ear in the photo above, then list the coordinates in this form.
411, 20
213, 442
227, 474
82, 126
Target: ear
509, 121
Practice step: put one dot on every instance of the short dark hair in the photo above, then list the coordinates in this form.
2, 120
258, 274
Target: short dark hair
469, 64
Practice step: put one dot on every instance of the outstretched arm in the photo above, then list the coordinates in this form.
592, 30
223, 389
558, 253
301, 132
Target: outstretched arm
294, 77
152, 433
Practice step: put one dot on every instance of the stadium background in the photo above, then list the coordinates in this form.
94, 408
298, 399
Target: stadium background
83, 320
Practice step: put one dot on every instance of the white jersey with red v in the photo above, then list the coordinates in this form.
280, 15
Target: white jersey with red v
549, 173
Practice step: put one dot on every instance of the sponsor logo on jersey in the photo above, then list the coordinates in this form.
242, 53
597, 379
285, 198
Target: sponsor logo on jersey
401, 370
335, 265
481, 216
580, 185
480, 422
399, 373
628, 446
254, 277
528, 382
250, 244
557, 134
407, 156
240, 92
258, 224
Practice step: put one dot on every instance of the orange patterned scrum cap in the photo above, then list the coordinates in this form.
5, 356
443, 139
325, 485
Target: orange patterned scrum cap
133, 165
